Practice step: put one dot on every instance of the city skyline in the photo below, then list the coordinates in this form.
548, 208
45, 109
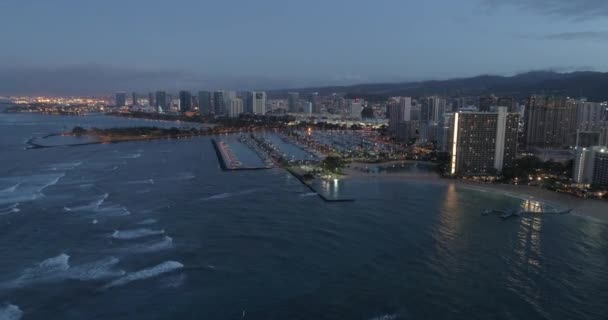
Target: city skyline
275, 45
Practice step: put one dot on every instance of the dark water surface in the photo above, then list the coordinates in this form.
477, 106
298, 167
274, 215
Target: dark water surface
155, 230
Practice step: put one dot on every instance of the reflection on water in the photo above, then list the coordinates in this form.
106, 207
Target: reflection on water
331, 188
530, 205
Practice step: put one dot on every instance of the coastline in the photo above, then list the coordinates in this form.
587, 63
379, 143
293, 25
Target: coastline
589, 208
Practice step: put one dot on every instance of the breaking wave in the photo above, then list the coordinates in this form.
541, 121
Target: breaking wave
164, 244
217, 196
29, 188
10, 209
64, 166
310, 194
58, 268
135, 234
10, 312
165, 267
97, 207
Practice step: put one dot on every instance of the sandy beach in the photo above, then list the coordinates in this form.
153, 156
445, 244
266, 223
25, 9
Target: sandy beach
592, 208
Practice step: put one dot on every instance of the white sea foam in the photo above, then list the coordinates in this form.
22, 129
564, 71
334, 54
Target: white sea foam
217, 196
93, 206
147, 221
10, 209
64, 166
58, 269
164, 244
165, 267
10, 312
149, 181
310, 194
135, 234
99, 207
11, 189
131, 156
28, 188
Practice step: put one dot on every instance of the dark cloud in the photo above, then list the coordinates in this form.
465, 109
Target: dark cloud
576, 9
578, 35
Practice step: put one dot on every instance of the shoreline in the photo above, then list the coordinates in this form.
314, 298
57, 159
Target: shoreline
589, 208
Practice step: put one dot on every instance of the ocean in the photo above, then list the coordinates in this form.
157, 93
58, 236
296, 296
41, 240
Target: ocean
156, 230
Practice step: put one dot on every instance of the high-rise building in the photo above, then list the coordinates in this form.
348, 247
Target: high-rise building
313, 98
134, 99
150, 99
293, 102
550, 122
185, 101
399, 110
355, 107
121, 99
433, 109
259, 104
236, 108
590, 115
591, 166
508, 102
483, 142
219, 103
161, 101
204, 102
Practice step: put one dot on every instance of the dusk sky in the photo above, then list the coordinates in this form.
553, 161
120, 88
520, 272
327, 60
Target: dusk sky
89, 47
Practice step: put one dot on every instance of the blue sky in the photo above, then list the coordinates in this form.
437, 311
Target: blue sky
283, 43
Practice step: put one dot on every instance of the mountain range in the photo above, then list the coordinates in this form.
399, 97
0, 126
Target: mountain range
589, 84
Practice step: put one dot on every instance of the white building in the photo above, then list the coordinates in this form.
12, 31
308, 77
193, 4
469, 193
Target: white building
589, 165
236, 108
259, 102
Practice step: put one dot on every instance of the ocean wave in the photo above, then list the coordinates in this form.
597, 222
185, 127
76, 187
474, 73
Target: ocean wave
164, 244
131, 156
64, 166
173, 282
217, 196
147, 221
165, 267
58, 268
11, 188
310, 194
99, 207
10, 209
93, 206
10, 312
28, 188
135, 234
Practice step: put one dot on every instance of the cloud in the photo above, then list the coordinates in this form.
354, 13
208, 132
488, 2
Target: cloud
575, 9
578, 35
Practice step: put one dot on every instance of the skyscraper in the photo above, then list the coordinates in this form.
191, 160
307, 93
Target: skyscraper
550, 122
355, 107
483, 142
121, 99
204, 103
313, 98
293, 102
433, 109
591, 166
590, 115
258, 102
485, 103
219, 103
236, 108
161, 101
151, 99
185, 101
399, 110
134, 99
